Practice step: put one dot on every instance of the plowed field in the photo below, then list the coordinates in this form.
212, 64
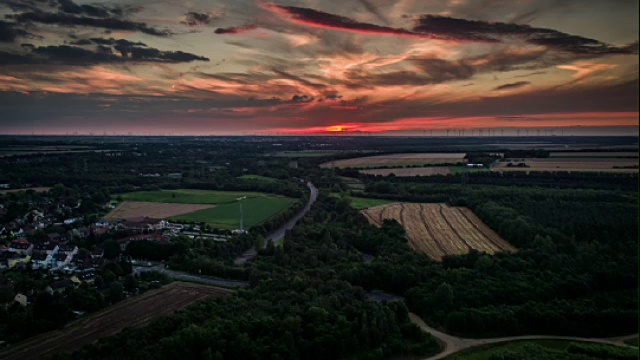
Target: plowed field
133, 312
132, 209
438, 229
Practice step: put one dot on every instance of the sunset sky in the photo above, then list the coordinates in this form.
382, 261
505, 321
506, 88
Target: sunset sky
316, 66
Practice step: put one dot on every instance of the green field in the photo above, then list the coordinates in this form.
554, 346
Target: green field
259, 178
227, 216
363, 203
190, 196
545, 349
464, 169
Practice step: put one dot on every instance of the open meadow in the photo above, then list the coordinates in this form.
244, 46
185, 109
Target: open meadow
134, 312
397, 160
227, 216
437, 230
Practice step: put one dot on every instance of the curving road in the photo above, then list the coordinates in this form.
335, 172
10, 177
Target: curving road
452, 344
279, 233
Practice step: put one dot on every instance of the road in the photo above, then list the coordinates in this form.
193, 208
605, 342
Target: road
452, 344
279, 233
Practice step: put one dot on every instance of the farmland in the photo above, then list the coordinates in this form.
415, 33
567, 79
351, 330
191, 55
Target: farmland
594, 154
130, 209
414, 171
133, 312
36, 189
362, 202
189, 196
227, 216
218, 209
588, 164
437, 230
397, 160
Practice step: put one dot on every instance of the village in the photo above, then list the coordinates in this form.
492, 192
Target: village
60, 246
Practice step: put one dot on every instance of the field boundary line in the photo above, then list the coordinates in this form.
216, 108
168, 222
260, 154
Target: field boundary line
469, 247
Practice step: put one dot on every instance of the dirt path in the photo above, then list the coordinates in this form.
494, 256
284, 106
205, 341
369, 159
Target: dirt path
453, 344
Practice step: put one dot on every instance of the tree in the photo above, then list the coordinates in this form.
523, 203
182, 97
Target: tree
116, 292
111, 249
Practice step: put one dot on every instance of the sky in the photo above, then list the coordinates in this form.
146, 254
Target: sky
239, 67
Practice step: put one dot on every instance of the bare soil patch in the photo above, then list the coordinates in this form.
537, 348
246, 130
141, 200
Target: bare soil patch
438, 229
133, 312
132, 209
420, 171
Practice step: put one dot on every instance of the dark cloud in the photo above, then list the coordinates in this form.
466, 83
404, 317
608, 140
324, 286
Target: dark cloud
463, 29
511, 86
74, 55
9, 32
71, 20
235, 30
198, 19
374, 10
325, 20
68, 6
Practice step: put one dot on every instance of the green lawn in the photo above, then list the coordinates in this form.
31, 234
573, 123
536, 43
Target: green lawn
227, 216
363, 203
259, 178
544, 349
190, 196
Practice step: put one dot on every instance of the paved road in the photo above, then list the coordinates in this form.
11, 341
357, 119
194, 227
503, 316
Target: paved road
180, 275
279, 234
452, 344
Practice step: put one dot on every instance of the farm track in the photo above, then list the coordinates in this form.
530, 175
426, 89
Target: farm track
453, 344
438, 230
133, 312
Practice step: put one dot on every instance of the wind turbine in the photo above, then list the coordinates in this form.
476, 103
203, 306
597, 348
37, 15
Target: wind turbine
241, 213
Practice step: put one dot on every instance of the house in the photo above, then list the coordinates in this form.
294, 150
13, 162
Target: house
16, 259
87, 275
97, 253
43, 255
72, 220
102, 223
58, 286
142, 223
21, 299
475, 165
123, 242
21, 246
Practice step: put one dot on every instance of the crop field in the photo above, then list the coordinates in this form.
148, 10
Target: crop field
438, 229
594, 154
417, 171
133, 312
590, 164
227, 216
398, 160
190, 196
36, 189
131, 209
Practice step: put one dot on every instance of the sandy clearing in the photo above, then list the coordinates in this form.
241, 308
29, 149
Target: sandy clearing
132, 209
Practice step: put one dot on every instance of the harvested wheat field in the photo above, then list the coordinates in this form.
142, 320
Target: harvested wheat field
133, 312
415, 171
133, 209
438, 229
398, 160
